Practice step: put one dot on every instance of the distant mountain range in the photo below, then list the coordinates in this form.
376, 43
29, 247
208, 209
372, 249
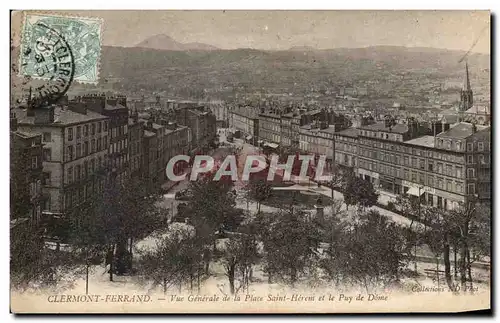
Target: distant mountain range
165, 42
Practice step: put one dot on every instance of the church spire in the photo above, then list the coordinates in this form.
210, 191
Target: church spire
466, 95
467, 80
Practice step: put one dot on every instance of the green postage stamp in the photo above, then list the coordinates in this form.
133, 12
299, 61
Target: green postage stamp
42, 32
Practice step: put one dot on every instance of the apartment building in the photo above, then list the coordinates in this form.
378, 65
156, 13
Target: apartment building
115, 109
246, 120
26, 169
75, 154
443, 169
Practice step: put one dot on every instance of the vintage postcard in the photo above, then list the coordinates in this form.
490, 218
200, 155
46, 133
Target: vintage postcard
250, 161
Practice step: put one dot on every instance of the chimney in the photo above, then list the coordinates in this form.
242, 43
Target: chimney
44, 115
78, 107
172, 125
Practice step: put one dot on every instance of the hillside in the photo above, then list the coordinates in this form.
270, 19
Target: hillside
146, 68
164, 42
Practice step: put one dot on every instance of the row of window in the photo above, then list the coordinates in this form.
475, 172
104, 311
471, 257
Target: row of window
382, 135
86, 149
459, 145
83, 171
417, 177
119, 131
82, 131
411, 150
79, 195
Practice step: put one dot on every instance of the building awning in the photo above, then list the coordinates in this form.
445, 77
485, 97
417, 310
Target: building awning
415, 191
272, 145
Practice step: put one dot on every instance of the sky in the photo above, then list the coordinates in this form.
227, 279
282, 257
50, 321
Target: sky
279, 30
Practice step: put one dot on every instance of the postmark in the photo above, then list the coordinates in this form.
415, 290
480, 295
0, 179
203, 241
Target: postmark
47, 65
81, 34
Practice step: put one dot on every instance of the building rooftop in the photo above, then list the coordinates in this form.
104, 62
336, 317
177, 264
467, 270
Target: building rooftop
380, 126
330, 129
479, 110
246, 111
460, 131
424, 141
114, 107
148, 133
62, 116
25, 134
349, 132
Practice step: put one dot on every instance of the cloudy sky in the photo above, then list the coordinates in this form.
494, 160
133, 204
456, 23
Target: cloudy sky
274, 30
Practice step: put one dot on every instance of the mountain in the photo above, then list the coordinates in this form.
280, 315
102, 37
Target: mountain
303, 48
175, 71
165, 42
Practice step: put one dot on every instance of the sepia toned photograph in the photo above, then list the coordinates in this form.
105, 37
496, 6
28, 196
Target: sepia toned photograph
250, 161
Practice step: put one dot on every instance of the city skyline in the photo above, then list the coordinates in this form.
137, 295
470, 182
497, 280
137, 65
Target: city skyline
282, 30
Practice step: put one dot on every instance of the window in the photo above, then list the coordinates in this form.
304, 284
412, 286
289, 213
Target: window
440, 142
34, 162
421, 178
46, 137
440, 168
78, 132
70, 153
448, 186
46, 154
469, 146
86, 148
430, 166
422, 163
414, 177
470, 159
460, 187
480, 146
78, 150
70, 134
458, 171
471, 188
407, 161
92, 165
430, 181
99, 126
449, 170
92, 129
85, 169
92, 146
70, 175
86, 130
481, 159
459, 145
414, 162
440, 183
78, 170
46, 178
99, 144
470, 173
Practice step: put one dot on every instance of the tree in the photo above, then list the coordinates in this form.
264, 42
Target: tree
239, 255
259, 190
360, 192
368, 252
464, 220
86, 236
212, 205
290, 242
411, 207
31, 262
128, 211
170, 261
